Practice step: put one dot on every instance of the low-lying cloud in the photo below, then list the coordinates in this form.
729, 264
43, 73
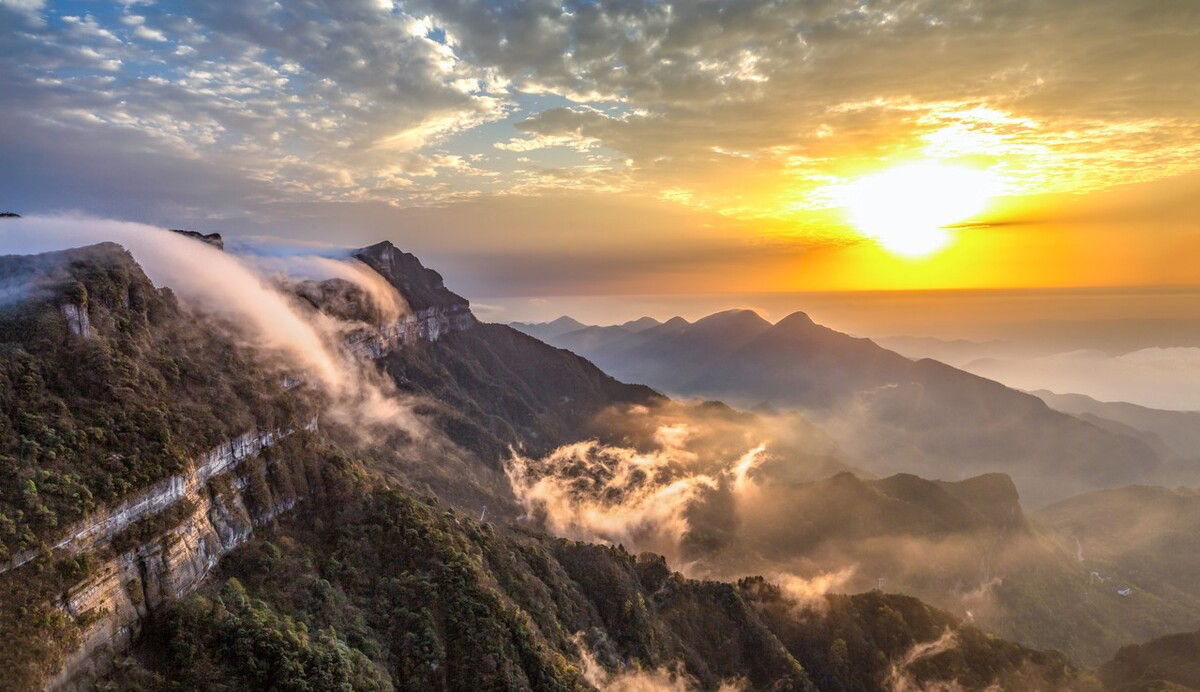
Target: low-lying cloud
682, 480
724, 494
221, 284
1165, 378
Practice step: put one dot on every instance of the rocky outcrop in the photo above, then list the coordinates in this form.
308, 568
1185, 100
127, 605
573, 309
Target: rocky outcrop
162, 542
213, 239
101, 526
429, 324
77, 319
421, 287
112, 604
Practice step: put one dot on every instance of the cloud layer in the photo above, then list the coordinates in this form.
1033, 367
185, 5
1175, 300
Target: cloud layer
514, 138
420, 101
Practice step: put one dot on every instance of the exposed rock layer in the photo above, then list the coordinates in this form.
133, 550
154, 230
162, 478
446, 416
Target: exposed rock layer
221, 502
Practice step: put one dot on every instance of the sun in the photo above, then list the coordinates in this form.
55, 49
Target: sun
907, 209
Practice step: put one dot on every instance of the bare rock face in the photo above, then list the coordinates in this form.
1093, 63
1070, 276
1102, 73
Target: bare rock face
204, 514
77, 319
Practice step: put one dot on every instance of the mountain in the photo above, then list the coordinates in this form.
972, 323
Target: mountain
969, 548
1179, 430
889, 413
444, 602
139, 437
548, 330
676, 352
213, 239
182, 507
571, 335
1167, 663
1142, 537
640, 324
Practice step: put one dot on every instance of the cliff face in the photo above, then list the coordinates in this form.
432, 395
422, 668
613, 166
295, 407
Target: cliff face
161, 544
430, 324
105, 524
430, 310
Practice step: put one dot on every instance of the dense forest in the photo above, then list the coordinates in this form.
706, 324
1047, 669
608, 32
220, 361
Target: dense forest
87, 419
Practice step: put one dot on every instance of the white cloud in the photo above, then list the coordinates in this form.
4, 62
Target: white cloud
689, 95
149, 34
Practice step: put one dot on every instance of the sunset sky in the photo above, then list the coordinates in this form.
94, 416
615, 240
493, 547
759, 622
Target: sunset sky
538, 149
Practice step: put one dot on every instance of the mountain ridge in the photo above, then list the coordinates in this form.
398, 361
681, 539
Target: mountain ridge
484, 389
923, 416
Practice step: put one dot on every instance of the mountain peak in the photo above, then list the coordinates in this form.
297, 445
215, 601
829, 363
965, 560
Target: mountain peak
421, 287
796, 320
549, 330
641, 324
213, 239
566, 321
732, 318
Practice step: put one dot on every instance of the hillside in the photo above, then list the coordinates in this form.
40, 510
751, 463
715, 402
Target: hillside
1167, 663
107, 385
386, 578
405, 594
1178, 430
1138, 536
889, 413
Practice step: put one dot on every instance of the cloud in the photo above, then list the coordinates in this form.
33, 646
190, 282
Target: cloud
220, 284
298, 96
746, 114
810, 592
314, 98
900, 680
685, 482
1165, 378
660, 679
1036, 89
588, 491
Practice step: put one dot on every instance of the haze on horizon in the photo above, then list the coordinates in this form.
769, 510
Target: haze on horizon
652, 155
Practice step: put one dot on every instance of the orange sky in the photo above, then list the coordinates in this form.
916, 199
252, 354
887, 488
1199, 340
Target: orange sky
540, 150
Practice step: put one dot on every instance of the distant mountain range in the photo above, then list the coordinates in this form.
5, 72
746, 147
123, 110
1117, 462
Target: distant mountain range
1176, 431
567, 325
888, 412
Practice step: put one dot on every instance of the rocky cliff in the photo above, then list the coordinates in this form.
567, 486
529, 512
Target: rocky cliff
161, 544
430, 324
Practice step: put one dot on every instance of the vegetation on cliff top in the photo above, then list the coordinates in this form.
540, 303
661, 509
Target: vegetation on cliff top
85, 420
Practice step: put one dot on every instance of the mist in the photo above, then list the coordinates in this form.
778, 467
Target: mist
724, 494
251, 304
1163, 378
688, 481
314, 267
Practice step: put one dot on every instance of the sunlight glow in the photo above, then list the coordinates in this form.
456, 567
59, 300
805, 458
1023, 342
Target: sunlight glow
907, 209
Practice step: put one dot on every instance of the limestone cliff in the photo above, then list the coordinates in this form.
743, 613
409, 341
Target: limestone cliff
162, 543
